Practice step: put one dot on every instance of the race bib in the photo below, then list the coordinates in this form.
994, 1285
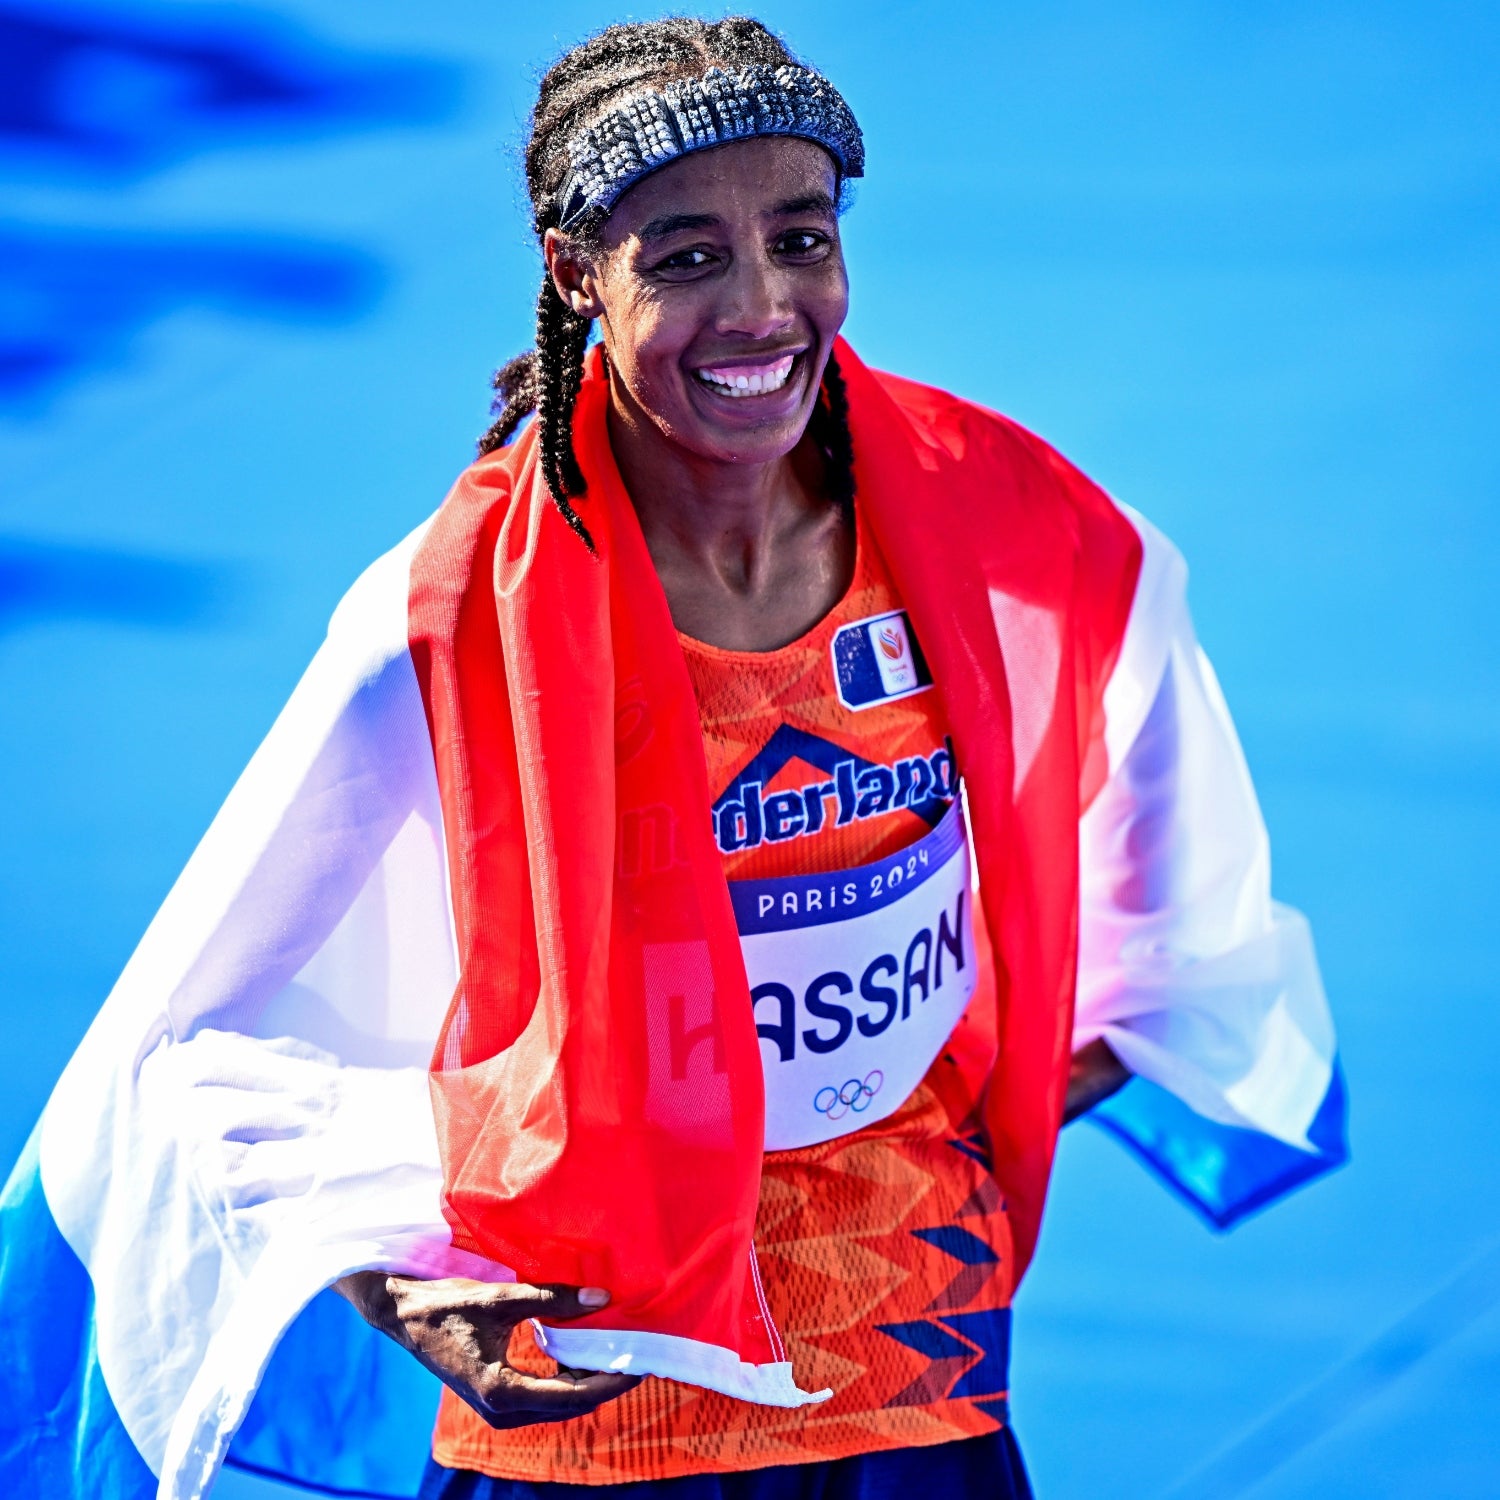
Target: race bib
857, 977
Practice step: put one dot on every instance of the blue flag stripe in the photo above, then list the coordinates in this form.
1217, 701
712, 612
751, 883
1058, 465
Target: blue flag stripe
59, 1431
1222, 1172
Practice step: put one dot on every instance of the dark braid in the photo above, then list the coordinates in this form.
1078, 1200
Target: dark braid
516, 392
580, 87
561, 338
830, 431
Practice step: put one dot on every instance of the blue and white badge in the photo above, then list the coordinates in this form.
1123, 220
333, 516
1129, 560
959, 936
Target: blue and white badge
858, 978
878, 660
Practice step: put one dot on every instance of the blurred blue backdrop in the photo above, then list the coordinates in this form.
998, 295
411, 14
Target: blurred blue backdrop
1240, 263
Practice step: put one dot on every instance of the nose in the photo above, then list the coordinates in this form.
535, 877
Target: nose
757, 302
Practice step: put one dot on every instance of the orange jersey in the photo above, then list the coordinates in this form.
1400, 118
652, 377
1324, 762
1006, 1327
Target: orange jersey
886, 1253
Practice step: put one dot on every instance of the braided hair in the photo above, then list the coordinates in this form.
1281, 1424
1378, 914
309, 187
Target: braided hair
577, 89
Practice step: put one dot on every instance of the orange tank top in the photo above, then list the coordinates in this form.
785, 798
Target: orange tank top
886, 1253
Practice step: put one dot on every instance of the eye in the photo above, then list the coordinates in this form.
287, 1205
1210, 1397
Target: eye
685, 263
803, 245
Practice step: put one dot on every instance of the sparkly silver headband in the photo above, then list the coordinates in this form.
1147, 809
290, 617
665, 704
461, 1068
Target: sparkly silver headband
654, 127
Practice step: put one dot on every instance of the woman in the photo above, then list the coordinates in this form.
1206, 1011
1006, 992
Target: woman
718, 287
629, 788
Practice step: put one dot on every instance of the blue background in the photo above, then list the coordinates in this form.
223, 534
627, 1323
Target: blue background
1239, 263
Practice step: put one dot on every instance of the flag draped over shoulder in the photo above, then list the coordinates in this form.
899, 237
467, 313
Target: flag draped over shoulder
411, 1004
248, 1117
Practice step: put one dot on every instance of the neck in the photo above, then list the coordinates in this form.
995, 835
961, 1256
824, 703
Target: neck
722, 518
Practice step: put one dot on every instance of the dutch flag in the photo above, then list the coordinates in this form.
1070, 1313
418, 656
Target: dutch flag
249, 1117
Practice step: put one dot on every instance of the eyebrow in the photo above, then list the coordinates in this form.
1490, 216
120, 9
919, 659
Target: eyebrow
809, 203
664, 225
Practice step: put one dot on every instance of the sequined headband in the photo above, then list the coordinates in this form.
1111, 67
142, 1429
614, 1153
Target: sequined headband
654, 127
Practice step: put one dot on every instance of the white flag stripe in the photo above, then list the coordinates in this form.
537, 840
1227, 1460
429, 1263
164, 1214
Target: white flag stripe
253, 1097
1195, 977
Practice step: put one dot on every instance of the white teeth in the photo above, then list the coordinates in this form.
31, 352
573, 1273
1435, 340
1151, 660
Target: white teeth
738, 384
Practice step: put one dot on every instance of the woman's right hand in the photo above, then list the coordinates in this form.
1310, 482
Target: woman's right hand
461, 1329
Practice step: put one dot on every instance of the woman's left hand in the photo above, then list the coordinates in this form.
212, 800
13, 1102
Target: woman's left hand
1096, 1073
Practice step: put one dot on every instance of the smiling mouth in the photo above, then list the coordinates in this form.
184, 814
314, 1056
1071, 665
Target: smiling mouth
741, 381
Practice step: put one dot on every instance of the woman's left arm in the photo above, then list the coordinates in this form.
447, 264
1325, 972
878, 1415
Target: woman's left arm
1190, 975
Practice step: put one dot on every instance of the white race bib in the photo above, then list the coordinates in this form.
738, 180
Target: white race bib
858, 977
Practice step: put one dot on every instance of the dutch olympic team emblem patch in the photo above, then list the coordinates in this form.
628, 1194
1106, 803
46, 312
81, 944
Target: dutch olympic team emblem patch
877, 660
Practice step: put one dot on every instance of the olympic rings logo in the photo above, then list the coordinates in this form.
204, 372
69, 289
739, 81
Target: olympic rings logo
853, 1096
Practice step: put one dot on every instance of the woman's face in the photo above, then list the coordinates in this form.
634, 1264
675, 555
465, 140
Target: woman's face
719, 285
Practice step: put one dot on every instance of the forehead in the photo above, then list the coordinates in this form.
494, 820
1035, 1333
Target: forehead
741, 179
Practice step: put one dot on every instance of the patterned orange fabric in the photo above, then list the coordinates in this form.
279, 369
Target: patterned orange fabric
774, 718
886, 1255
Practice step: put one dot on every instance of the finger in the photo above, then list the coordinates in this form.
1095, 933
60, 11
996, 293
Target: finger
447, 1294
540, 1398
552, 1301
598, 1385
488, 1311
